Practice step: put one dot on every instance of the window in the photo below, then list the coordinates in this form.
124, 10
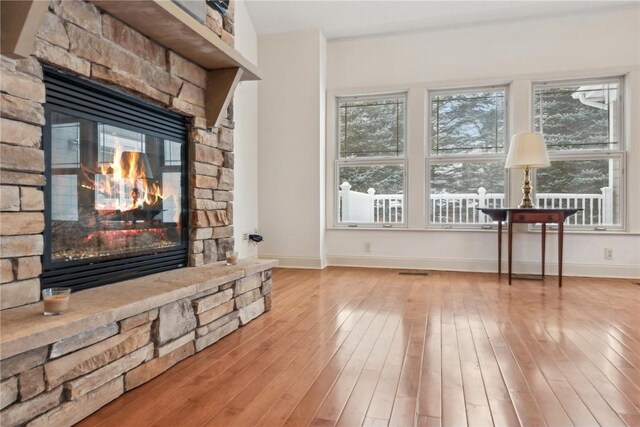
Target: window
371, 165
582, 126
465, 164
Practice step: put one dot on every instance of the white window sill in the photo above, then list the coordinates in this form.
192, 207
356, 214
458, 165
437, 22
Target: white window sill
481, 230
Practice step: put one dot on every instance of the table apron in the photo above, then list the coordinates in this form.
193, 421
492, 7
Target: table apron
532, 218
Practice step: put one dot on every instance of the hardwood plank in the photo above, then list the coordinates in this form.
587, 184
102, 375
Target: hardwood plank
589, 395
475, 395
502, 410
304, 396
453, 403
375, 422
356, 407
381, 404
430, 390
403, 412
336, 398
426, 421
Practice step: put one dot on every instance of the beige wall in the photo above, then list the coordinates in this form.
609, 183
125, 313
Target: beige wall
246, 139
291, 142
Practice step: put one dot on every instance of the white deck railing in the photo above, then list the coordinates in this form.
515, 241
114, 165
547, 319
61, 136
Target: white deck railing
388, 207
464, 208
597, 209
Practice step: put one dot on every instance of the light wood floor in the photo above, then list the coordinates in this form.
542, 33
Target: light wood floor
352, 347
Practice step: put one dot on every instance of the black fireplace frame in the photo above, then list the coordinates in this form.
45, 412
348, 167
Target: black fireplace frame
83, 98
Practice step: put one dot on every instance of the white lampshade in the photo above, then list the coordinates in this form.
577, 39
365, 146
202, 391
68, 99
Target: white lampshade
527, 150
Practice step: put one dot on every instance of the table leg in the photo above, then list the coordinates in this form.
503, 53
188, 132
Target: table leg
560, 234
544, 239
499, 249
510, 241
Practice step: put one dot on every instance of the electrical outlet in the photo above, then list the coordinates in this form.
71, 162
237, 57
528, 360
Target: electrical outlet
608, 254
367, 247
245, 236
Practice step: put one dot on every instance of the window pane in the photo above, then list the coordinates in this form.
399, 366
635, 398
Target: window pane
459, 190
592, 185
372, 127
112, 192
65, 134
468, 122
576, 116
371, 194
112, 137
172, 153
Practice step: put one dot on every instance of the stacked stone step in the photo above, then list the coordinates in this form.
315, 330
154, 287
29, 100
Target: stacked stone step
62, 383
227, 308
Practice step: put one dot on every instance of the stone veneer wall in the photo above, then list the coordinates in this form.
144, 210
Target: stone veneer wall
77, 37
62, 383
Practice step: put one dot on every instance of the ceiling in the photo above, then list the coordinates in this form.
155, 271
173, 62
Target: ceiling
350, 18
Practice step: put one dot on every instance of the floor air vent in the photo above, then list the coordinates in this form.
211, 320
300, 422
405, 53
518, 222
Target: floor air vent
414, 273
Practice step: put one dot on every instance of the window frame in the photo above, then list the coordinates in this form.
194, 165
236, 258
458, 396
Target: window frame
619, 153
433, 159
371, 161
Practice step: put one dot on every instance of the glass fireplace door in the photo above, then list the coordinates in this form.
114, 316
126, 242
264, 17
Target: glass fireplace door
114, 191
115, 197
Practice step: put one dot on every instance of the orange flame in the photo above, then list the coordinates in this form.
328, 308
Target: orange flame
125, 184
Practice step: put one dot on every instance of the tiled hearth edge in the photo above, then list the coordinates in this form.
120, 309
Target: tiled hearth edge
57, 370
79, 38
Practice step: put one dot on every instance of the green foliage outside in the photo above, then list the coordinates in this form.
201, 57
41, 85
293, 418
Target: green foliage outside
373, 128
467, 123
387, 179
568, 124
474, 123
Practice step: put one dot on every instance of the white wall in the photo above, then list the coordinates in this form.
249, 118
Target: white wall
582, 46
246, 139
562, 44
291, 166
565, 47
322, 149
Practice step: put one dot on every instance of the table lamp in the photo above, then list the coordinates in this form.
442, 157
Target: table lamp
527, 151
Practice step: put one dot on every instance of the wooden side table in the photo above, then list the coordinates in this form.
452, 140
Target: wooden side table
530, 216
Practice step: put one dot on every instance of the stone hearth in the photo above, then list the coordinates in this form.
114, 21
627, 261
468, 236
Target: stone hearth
57, 370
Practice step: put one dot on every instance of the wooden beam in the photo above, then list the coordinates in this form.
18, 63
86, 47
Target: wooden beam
221, 84
168, 24
20, 21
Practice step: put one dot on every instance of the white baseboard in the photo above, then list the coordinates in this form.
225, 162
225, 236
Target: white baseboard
484, 266
296, 262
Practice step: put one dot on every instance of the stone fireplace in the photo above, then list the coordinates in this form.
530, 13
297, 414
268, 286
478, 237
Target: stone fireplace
86, 43
115, 168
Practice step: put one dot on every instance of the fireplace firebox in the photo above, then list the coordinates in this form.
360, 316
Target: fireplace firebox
115, 199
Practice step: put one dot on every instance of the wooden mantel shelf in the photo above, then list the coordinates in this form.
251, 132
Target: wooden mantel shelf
166, 23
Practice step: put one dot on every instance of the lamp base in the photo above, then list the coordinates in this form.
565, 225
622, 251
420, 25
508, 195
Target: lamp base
526, 203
